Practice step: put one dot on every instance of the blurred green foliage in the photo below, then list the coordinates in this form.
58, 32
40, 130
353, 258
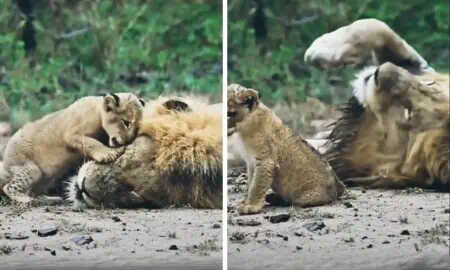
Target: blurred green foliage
88, 47
271, 59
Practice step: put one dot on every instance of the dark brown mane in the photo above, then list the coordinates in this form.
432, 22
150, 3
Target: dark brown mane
345, 130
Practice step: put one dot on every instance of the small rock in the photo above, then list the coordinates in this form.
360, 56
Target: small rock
348, 204
447, 211
47, 232
315, 226
82, 240
298, 248
385, 242
91, 245
53, 252
285, 238
237, 237
18, 236
370, 246
298, 234
116, 219
173, 247
405, 232
350, 240
250, 223
66, 248
280, 218
216, 226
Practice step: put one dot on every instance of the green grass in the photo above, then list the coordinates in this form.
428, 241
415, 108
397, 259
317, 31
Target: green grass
91, 47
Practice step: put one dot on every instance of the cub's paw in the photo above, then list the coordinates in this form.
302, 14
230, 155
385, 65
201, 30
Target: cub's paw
249, 209
108, 156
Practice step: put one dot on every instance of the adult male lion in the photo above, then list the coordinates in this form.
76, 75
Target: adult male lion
175, 160
394, 132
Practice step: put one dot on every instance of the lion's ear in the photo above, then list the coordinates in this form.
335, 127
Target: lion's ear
110, 102
251, 98
177, 105
142, 101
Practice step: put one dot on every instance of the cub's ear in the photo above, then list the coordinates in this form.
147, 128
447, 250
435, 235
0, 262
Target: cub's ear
250, 98
142, 101
110, 102
177, 105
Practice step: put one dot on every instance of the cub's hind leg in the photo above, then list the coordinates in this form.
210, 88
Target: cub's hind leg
311, 198
23, 179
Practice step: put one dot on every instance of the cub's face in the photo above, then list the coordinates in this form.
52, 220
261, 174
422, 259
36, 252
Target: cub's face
241, 102
120, 117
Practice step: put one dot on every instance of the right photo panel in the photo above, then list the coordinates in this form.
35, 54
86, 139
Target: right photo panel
338, 134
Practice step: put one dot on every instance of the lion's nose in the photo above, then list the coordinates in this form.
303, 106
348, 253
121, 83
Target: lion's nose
114, 141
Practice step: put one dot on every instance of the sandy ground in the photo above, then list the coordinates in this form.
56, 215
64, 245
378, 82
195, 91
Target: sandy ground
120, 239
369, 229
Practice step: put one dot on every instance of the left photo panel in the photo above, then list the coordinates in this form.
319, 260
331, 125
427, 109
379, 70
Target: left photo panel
111, 134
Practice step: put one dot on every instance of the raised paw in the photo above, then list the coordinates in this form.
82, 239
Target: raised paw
330, 51
108, 156
347, 46
249, 209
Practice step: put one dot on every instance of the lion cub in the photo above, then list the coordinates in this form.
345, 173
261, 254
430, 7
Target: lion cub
47, 149
276, 158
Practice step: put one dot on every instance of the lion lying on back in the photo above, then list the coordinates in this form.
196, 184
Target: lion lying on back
175, 160
49, 148
276, 158
395, 130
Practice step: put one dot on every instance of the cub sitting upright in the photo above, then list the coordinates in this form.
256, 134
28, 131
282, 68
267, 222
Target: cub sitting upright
276, 158
47, 149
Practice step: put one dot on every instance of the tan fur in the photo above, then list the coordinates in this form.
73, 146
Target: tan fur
360, 41
50, 147
176, 160
395, 131
276, 158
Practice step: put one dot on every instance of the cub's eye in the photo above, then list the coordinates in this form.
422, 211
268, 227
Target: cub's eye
126, 124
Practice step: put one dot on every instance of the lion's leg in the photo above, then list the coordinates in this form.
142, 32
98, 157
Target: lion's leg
23, 178
261, 182
414, 156
437, 155
359, 41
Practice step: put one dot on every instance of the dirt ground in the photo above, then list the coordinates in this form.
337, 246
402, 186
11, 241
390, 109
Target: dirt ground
110, 239
369, 229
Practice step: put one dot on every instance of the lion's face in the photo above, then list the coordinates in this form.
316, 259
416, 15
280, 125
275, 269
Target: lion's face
396, 126
401, 101
120, 117
241, 102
